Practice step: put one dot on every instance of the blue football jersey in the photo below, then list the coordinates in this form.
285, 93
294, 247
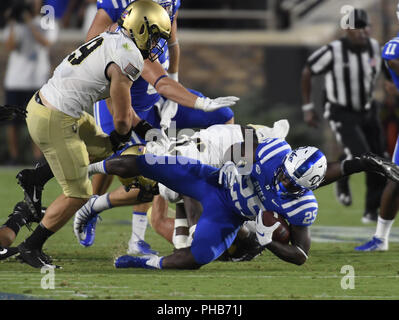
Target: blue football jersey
143, 94
257, 191
389, 52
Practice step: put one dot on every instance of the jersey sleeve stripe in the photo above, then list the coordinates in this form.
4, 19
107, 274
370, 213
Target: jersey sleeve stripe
302, 208
268, 146
274, 152
296, 201
115, 3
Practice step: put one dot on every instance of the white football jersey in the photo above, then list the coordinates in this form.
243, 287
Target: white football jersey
80, 80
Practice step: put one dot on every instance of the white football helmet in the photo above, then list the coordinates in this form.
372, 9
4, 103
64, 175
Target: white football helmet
305, 168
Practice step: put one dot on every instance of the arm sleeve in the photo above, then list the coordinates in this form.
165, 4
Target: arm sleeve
321, 60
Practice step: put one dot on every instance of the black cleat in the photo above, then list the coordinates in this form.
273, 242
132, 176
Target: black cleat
32, 191
343, 191
7, 252
35, 257
24, 216
380, 165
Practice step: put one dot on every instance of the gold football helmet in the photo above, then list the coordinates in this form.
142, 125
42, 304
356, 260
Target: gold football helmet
146, 22
139, 181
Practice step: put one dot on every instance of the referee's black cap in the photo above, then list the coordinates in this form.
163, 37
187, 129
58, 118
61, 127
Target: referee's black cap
360, 18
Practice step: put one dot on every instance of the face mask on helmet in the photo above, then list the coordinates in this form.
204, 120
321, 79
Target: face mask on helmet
146, 22
397, 11
303, 169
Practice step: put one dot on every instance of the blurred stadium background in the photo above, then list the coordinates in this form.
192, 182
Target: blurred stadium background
254, 49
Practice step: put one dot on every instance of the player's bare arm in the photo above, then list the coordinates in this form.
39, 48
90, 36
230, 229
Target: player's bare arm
123, 115
309, 114
156, 75
297, 251
101, 22
174, 49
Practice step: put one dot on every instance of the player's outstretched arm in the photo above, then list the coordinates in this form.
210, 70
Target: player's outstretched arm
154, 74
297, 251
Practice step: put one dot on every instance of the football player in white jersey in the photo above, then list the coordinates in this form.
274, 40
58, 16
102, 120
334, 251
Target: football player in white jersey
58, 121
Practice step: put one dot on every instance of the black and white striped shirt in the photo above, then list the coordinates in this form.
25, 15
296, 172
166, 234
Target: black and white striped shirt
350, 76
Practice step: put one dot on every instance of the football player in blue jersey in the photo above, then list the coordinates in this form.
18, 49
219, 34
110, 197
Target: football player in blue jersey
153, 99
275, 178
390, 197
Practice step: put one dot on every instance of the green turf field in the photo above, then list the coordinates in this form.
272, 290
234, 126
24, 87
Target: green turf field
88, 273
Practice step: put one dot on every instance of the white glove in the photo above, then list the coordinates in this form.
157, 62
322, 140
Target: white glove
159, 147
228, 175
263, 233
82, 217
207, 104
167, 111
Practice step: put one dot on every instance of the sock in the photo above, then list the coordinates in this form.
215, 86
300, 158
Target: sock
180, 240
97, 167
15, 223
43, 173
383, 228
102, 203
139, 225
155, 262
38, 237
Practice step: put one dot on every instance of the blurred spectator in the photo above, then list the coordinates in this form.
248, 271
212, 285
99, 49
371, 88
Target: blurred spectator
63, 9
90, 11
28, 65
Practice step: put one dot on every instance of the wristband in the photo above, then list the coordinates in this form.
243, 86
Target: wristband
199, 103
308, 107
142, 128
174, 76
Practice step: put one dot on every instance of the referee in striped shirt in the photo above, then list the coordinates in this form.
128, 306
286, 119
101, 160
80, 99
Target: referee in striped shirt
351, 66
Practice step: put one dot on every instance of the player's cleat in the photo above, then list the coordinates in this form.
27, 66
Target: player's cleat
7, 252
32, 190
85, 222
343, 192
379, 165
369, 217
375, 244
35, 258
140, 248
24, 216
127, 261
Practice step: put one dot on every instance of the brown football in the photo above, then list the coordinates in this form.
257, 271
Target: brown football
282, 233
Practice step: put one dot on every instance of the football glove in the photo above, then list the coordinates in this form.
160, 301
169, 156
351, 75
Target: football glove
228, 175
118, 141
9, 112
263, 233
207, 104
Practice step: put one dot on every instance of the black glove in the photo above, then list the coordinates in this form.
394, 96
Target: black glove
8, 112
119, 140
142, 128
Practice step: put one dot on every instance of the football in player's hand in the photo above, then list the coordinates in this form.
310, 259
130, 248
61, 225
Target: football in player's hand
282, 233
